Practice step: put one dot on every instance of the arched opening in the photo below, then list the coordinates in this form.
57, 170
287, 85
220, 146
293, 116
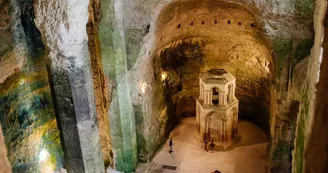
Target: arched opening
213, 127
215, 96
191, 50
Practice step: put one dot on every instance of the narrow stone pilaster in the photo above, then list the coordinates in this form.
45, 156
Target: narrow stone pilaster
76, 118
235, 124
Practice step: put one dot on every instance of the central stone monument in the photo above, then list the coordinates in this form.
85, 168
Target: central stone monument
217, 110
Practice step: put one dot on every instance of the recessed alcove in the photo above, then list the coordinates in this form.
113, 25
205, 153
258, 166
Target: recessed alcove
215, 96
183, 56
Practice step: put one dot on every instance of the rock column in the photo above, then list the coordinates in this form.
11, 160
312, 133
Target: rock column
121, 114
63, 27
316, 153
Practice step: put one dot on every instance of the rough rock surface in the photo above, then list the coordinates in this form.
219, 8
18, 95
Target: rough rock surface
316, 154
28, 119
26, 110
231, 39
284, 27
311, 138
247, 56
304, 120
13, 48
63, 27
121, 114
63, 31
139, 40
4, 163
100, 82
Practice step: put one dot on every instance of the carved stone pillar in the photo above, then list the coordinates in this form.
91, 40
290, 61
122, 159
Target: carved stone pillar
208, 98
233, 93
235, 119
197, 117
224, 131
63, 27
201, 89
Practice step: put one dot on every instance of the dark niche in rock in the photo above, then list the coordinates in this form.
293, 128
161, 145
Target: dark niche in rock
178, 57
181, 63
147, 28
33, 35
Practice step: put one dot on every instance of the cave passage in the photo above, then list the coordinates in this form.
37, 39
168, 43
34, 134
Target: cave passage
187, 47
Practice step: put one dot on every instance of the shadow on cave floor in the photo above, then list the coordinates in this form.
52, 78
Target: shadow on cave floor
250, 155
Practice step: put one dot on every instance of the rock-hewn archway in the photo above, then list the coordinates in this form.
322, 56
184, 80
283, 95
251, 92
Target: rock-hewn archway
192, 38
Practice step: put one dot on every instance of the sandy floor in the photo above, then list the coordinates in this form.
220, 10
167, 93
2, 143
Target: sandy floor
249, 156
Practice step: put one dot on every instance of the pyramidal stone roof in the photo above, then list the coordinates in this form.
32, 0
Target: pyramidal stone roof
217, 76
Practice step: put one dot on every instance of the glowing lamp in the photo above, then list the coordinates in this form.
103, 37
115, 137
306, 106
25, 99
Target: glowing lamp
164, 76
43, 155
143, 87
21, 82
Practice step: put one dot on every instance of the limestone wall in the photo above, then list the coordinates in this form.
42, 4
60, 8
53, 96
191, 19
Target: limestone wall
26, 110
133, 35
316, 153
13, 48
4, 163
287, 27
304, 121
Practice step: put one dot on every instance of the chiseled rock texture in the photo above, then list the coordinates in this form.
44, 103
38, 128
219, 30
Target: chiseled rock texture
26, 106
63, 27
100, 81
26, 110
4, 163
13, 48
287, 37
312, 118
263, 43
260, 45
316, 154
121, 111
64, 31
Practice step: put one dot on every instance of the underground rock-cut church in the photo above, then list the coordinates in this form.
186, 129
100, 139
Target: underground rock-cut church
217, 109
101, 86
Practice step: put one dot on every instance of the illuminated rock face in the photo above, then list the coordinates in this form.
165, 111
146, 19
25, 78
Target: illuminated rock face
4, 164
217, 109
259, 42
63, 27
